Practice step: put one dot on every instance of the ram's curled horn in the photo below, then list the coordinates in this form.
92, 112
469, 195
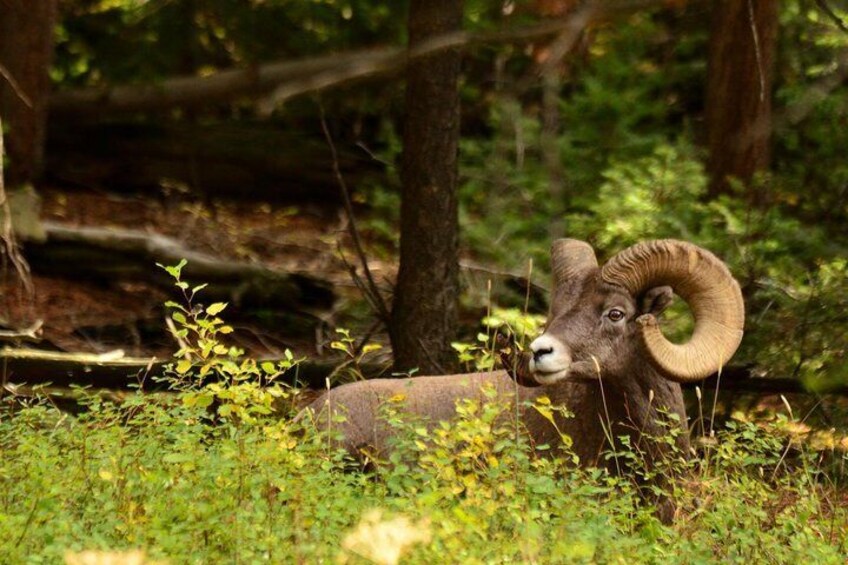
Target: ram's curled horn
707, 286
570, 258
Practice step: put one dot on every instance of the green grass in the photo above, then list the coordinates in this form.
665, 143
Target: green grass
159, 476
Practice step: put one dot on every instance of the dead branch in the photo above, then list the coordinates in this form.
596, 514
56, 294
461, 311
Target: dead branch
31, 333
193, 90
113, 370
823, 6
371, 292
110, 254
7, 232
277, 82
4, 72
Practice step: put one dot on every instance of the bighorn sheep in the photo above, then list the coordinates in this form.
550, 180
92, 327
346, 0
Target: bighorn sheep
602, 354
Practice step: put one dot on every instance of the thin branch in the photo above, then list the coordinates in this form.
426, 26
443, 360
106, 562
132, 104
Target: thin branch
798, 111
358, 282
521, 280
365, 337
757, 53
31, 333
7, 232
568, 29
4, 72
565, 41
840, 23
818, 91
439, 368
378, 303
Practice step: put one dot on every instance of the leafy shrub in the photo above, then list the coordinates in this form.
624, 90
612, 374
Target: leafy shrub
169, 475
151, 474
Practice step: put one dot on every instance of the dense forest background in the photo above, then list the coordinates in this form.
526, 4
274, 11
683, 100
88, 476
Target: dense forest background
205, 204
719, 123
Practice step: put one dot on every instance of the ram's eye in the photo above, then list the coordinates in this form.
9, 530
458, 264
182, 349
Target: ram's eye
615, 315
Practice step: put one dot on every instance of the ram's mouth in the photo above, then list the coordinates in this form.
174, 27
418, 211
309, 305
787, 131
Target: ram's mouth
549, 377
584, 370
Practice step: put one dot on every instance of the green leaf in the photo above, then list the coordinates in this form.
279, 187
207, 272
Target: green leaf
175, 270
545, 412
178, 457
216, 308
204, 400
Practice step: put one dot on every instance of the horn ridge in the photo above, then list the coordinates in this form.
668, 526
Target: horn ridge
707, 286
571, 259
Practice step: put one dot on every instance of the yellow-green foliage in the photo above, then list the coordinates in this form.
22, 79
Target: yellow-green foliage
156, 474
221, 473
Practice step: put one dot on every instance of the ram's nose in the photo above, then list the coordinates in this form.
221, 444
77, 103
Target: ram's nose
539, 353
545, 350
544, 346
551, 359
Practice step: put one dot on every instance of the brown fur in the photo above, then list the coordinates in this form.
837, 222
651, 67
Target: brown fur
625, 380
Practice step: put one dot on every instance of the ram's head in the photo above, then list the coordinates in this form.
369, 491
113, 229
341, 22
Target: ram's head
603, 321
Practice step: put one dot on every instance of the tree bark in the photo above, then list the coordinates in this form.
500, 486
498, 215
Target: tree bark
26, 52
742, 48
424, 316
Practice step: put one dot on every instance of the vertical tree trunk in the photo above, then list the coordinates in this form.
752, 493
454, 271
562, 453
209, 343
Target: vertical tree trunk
26, 52
742, 46
425, 302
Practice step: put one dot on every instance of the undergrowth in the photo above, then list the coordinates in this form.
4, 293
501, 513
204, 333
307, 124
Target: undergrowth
160, 476
222, 473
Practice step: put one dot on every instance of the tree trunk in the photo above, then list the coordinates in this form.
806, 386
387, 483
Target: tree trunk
424, 315
26, 52
739, 82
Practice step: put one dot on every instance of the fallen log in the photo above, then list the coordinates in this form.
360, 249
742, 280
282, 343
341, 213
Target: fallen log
256, 161
111, 254
203, 90
33, 367
113, 371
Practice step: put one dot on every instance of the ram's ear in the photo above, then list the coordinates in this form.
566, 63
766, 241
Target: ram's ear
656, 300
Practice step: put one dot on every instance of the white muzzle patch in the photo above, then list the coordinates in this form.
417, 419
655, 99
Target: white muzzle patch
551, 360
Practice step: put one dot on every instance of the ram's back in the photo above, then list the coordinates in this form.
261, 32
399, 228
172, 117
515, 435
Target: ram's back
355, 410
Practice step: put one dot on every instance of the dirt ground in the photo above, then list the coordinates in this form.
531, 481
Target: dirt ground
89, 316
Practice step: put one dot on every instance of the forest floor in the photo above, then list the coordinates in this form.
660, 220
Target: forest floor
84, 315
